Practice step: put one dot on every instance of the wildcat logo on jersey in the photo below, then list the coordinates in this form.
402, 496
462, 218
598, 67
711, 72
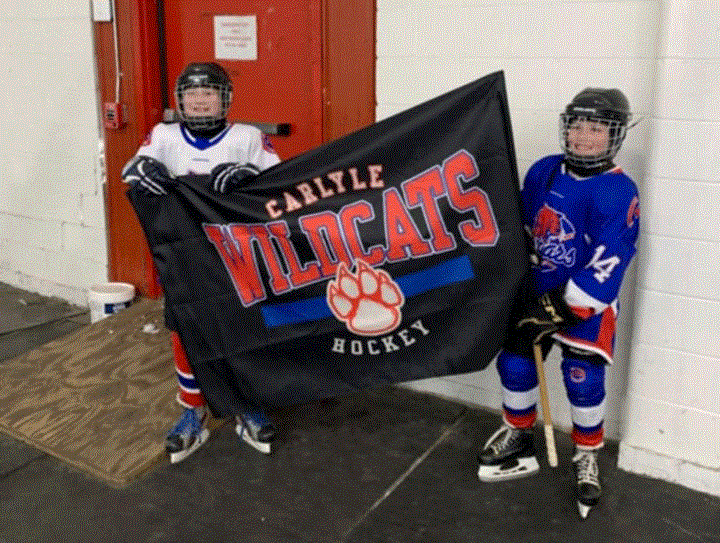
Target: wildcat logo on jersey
551, 230
368, 301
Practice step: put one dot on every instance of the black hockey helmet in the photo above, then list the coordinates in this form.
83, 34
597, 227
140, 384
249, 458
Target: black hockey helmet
607, 106
204, 74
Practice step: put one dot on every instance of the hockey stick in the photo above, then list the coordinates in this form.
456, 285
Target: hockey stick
547, 419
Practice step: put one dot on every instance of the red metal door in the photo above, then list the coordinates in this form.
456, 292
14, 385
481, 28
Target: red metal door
314, 69
276, 79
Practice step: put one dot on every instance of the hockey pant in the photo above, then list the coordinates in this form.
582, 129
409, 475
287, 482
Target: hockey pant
584, 384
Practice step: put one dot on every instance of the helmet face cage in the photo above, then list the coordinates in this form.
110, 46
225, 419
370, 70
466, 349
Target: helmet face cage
609, 107
616, 135
204, 76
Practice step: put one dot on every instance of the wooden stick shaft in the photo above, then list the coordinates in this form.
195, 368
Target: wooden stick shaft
547, 418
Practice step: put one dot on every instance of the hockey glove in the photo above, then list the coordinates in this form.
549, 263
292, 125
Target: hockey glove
547, 317
226, 177
149, 174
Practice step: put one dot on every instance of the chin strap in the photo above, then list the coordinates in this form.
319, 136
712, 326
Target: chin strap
580, 171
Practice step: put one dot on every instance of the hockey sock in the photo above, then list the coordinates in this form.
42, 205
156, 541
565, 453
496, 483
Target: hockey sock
189, 394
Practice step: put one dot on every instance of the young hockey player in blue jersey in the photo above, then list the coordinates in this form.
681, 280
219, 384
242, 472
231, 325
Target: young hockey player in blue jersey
582, 214
202, 143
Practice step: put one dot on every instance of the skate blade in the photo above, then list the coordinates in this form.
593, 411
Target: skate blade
265, 448
584, 509
512, 469
179, 456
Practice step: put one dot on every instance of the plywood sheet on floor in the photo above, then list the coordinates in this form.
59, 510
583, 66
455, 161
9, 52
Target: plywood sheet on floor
101, 398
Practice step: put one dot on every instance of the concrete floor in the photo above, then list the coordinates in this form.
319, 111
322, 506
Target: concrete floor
383, 465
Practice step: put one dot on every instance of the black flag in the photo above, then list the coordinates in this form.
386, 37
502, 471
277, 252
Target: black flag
392, 254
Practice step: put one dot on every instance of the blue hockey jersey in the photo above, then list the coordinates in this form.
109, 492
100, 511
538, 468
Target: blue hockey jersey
584, 231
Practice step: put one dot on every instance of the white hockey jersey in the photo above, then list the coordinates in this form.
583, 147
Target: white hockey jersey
183, 153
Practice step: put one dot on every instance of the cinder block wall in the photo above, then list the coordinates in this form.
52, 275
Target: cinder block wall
663, 402
52, 217
671, 428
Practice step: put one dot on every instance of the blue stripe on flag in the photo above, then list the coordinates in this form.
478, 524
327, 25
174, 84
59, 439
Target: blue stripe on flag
312, 309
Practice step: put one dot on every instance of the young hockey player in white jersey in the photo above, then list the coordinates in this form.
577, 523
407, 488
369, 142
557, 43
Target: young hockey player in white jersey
202, 143
582, 215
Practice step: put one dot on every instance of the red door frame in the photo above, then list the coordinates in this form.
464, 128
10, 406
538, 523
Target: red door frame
348, 102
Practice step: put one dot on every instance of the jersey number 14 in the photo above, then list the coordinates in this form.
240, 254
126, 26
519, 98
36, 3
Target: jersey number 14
603, 266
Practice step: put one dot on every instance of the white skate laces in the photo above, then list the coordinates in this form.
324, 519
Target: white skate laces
588, 488
587, 467
498, 445
508, 454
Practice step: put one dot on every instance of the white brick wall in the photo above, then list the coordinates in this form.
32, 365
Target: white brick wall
663, 388
672, 424
52, 214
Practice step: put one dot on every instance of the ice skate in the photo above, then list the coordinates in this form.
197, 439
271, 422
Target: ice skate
588, 488
257, 430
187, 435
508, 454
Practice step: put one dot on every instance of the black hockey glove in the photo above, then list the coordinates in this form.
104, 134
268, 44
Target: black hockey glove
228, 176
149, 174
547, 317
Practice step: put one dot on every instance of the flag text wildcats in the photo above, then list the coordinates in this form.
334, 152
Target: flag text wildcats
334, 237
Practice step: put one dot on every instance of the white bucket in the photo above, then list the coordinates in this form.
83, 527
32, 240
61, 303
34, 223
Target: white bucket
108, 298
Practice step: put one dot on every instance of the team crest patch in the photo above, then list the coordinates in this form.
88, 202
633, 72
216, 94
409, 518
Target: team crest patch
577, 375
552, 230
367, 301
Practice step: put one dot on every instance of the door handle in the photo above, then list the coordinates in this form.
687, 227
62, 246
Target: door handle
272, 129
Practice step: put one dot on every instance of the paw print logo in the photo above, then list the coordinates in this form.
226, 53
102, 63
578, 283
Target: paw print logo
368, 301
